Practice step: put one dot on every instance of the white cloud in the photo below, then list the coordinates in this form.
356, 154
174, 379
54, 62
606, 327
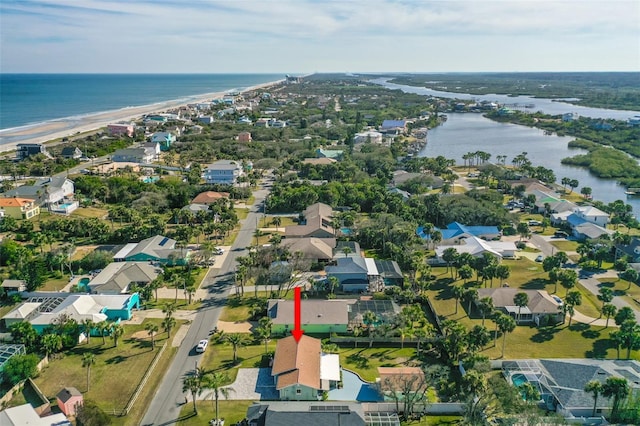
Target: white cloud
309, 35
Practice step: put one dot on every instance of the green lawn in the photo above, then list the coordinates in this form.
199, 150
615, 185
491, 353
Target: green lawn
630, 292
55, 284
365, 361
89, 212
580, 341
564, 245
115, 375
231, 411
219, 357
433, 421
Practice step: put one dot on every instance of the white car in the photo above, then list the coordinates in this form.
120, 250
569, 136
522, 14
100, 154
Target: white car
218, 250
202, 345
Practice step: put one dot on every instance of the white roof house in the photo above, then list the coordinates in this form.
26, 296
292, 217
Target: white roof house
329, 368
26, 415
476, 247
79, 308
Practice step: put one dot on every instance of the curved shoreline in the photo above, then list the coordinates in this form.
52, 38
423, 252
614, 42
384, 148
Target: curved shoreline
69, 126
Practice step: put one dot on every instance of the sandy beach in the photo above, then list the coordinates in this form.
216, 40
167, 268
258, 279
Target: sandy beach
66, 127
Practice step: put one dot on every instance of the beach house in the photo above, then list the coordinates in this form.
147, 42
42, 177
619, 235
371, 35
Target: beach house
165, 139
18, 208
25, 150
121, 129
223, 172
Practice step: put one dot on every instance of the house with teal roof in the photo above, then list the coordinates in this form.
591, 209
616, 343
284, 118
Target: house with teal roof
165, 139
455, 232
335, 154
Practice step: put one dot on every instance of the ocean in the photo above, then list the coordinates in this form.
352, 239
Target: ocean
29, 99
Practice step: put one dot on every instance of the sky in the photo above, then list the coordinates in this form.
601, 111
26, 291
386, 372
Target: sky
306, 36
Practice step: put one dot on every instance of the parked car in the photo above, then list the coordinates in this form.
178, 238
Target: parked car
560, 234
557, 299
540, 258
202, 345
218, 250
535, 223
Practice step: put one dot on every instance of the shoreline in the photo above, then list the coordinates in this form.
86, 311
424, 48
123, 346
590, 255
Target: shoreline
69, 126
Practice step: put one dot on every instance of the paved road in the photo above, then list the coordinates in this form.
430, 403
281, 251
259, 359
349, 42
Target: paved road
590, 283
169, 398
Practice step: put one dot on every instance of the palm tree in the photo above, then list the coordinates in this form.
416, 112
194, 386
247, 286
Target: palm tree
505, 324
573, 299
88, 325
369, 319
116, 333
103, 329
606, 295
618, 388
88, 359
168, 309
152, 329
486, 306
458, 292
263, 332
215, 382
594, 387
192, 384
236, 340
470, 295
51, 343
167, 324
276, 221
608, 310
521, 300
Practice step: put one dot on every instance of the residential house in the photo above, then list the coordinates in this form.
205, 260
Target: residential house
209, 197
353, 273
71, 153
18, 208
25, 414
585, 222
394, 127
540, 305
280, 271
165, 139
561, 382
278, 124
456, 233
336, 154
280, 413
631, 250
570, 116
396, 383
121, 130
314, 249
389, 271
319, 161
244, 137
46, 192
154, 249
368, 137
205, 119
317, 223
301, 371
118, 277
10, 287
153, 147
25, 150
133, 155
262, 122
223, 172
69, 399
196, 129
593, 215
403, 194
316, 316
588, 231
42, 309
477, 247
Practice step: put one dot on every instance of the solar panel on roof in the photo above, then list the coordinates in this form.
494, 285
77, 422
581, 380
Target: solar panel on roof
330, 408
164, 241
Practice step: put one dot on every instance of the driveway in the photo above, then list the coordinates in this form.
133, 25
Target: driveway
251, 384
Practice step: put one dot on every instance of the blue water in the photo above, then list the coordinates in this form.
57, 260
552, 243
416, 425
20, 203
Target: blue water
518, 379
27, 99
151, 179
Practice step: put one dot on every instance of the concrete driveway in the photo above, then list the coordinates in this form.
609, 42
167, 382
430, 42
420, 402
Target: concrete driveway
251, 384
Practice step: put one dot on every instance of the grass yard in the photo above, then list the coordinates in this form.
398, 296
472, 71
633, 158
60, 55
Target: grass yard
564, 245
89, 212
55, 284
581, 340
231, 411
219, 357
630, 292
181, 304
115, 375
434, 420
365, 361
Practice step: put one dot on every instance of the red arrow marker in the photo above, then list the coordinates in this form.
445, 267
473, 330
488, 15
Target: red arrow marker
297, 331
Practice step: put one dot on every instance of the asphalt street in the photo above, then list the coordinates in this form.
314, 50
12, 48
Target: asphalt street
169, 398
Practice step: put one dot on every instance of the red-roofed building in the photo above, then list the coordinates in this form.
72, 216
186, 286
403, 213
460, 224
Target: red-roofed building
19, 208
209, 197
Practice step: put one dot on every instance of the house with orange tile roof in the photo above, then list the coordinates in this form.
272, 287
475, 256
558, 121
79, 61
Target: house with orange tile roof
209, 197
18, 208
301, 371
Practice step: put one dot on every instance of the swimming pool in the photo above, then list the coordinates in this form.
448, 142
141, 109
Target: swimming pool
65, 206
519, 380
151, 179
83, 284
354, 389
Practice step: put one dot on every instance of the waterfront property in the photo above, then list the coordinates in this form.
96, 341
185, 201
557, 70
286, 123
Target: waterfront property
540, 305
121, 129
223, 172
133, 155
71, 152
25, 150
368, 137
561, 382
301, 371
